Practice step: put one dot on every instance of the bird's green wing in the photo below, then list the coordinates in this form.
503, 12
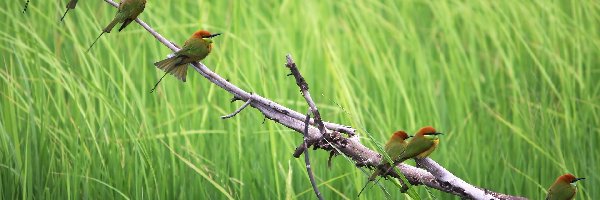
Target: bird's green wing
394, 149
194, 48
416, 146
130, 9
561, 191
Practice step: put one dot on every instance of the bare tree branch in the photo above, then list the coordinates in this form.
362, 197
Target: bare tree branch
455, 184
350, 147
301, 82
238, 110
304, 90
311, 176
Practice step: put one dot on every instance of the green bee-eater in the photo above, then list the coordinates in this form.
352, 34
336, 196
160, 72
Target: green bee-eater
128, 11
564, 188
70, 5
194, 49
424, 142
394, 147
420, 146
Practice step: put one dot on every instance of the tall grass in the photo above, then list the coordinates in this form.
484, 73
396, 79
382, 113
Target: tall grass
515, 84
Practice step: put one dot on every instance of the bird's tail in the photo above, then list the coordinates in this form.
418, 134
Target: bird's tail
96, 40
374, 175
72, 4
125, 23
173, 66
391, 167
111, 25
371, 178
63, 17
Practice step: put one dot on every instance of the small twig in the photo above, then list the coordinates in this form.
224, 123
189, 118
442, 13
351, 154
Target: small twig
238, 110
331, 155
234, 98
307, 159
304, 90
299, 150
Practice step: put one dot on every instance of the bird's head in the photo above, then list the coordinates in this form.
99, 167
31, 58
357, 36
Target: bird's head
569, 178
428, 130
204, 34
400, 135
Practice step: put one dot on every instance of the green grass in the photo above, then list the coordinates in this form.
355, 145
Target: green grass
514, 84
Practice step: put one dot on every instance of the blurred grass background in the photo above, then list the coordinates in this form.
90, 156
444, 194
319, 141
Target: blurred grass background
514, 84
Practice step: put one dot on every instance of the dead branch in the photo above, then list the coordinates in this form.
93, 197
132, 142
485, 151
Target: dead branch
304, 90
238, 110
311, 176
301, 82
350, 147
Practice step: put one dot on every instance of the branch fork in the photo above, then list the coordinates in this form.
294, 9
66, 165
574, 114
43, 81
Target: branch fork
238, 110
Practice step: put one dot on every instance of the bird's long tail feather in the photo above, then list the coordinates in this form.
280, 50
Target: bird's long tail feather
159, 80
371, 178
72, 4
105, 30
125, 23
63, 17
88, 50
171, 66
111, 25
374, 175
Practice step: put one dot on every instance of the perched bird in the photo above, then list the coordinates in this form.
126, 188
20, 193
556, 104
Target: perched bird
424, 142
394, 147
564, 188
194, 49
420, 146
70, 5
128, 11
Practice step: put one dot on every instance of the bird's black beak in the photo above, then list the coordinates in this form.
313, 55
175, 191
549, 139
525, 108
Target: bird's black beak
438, 133
409, 136
577, 179
213, 35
